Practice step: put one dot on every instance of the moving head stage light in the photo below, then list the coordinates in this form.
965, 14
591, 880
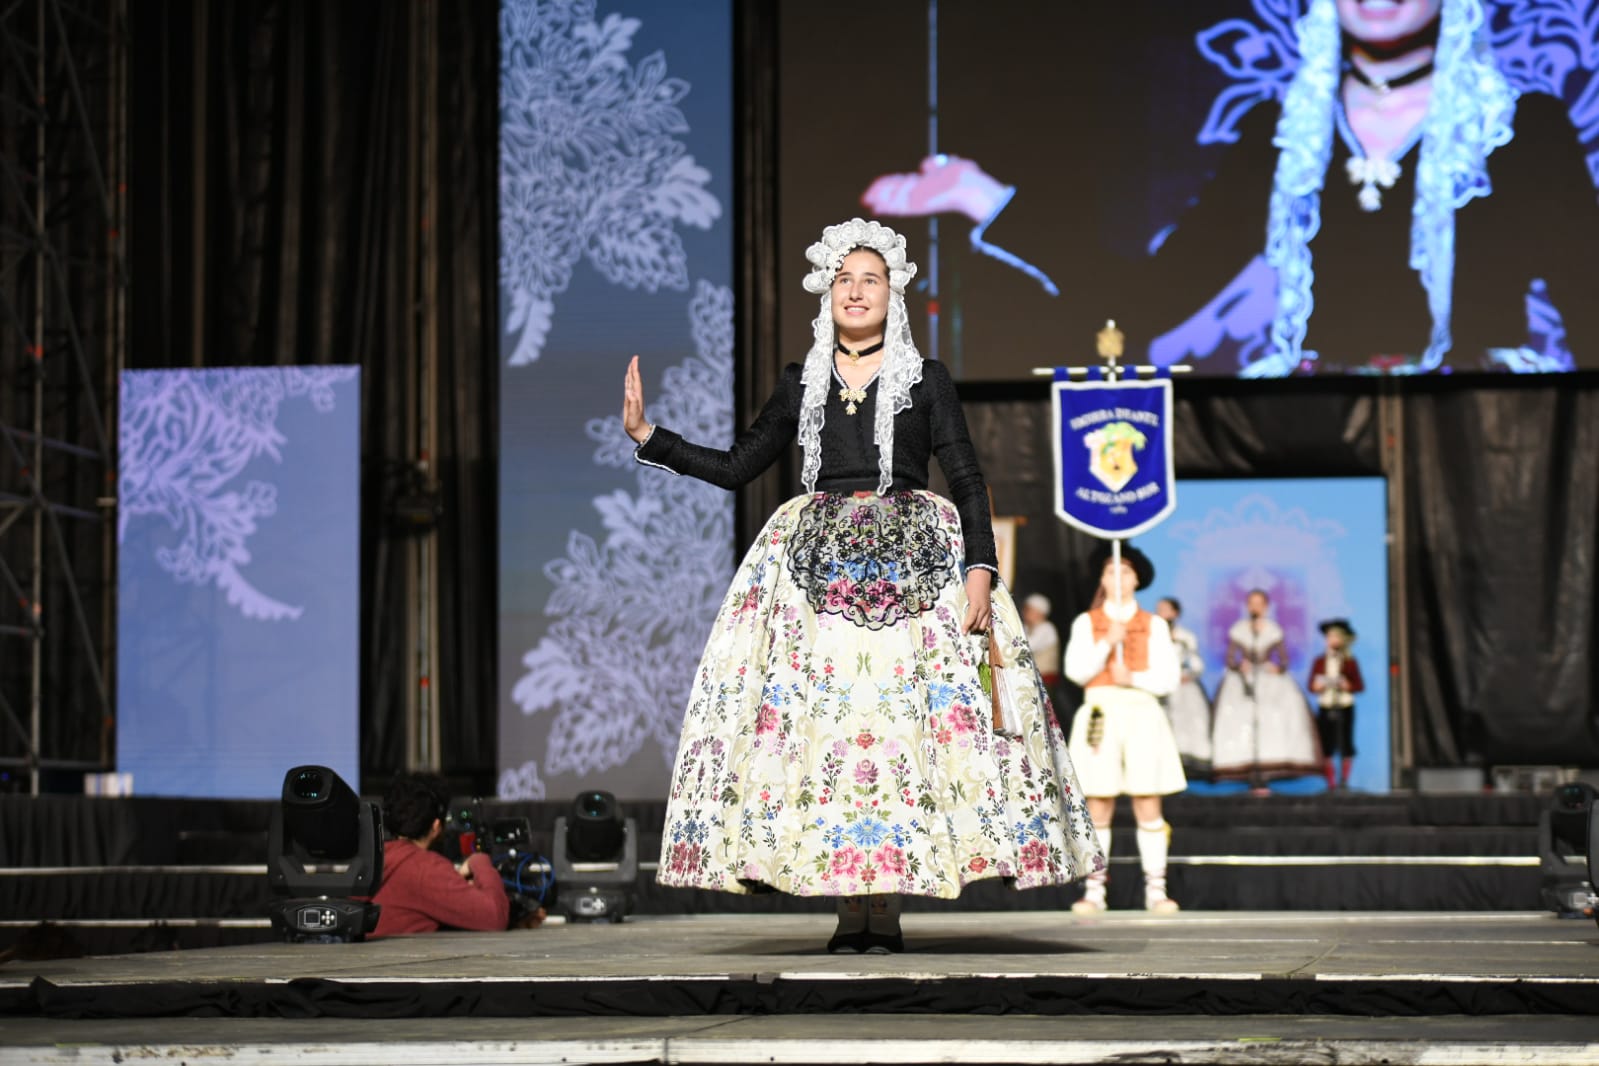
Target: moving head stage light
595, 859
1568, 846
325, 847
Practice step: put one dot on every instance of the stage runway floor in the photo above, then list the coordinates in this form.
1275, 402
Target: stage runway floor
996, 987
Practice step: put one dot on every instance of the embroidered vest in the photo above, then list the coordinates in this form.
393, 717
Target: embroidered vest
1135, 647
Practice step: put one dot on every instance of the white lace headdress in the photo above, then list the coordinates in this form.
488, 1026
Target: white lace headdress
902, 363
1469, 115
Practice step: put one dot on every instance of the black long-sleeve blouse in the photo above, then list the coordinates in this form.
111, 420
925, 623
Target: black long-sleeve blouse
933, 425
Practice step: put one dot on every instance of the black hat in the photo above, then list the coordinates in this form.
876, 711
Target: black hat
1131, 556
1339, 623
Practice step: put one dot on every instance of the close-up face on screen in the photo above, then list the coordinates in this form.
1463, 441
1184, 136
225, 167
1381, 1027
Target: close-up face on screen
1254, 188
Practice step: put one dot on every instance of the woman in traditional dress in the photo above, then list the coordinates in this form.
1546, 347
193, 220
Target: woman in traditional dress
1122, 744
839, 739
1188, 707
1263, 725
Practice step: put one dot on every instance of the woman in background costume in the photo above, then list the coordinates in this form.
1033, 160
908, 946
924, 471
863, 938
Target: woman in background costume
1263, 725
1188, 707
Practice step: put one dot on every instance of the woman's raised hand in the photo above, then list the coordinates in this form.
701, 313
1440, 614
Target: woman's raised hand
633, 403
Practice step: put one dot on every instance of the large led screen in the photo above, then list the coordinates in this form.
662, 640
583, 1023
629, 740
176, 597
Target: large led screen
1213, 176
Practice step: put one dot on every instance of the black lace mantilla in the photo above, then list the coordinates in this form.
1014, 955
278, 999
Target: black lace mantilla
874, 560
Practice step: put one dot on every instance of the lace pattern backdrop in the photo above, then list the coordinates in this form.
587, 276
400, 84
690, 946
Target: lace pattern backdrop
615, 171
184, 440
238, 533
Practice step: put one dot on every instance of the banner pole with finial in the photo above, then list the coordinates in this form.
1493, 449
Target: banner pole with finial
1110, 342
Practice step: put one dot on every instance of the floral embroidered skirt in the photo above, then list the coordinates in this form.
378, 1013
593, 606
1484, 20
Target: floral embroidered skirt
838, 739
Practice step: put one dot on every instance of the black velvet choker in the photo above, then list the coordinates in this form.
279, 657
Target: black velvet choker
1389, 85
862, 353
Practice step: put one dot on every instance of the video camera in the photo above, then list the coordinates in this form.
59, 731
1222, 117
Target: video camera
508, 842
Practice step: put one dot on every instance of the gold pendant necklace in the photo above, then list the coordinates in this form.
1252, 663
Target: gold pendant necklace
855, 357
851, 397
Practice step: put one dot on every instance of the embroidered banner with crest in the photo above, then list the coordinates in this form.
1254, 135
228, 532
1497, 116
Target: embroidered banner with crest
1114, 475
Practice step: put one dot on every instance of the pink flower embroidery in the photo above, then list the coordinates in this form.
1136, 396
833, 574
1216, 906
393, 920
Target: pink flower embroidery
963, 718
847, 862
685, 857
890, 860
866, 772
1034, 856
766, 719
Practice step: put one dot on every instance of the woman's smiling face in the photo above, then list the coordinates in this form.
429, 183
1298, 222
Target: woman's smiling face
1383, 23
860, 293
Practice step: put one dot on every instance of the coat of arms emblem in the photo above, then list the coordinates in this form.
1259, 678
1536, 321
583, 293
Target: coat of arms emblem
1110, 453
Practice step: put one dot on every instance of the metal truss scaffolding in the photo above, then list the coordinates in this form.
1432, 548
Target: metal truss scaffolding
63, 304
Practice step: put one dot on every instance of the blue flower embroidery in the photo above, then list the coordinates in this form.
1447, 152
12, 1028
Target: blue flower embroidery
869, 832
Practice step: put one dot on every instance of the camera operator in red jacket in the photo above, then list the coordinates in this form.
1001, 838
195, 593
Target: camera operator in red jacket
421, 890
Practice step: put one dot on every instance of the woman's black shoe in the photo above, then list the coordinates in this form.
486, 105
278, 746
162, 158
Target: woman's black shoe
848, 943
884, 943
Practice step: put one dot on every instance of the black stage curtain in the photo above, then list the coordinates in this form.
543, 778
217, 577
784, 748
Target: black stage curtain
1502, 510
1501, 516
278, 151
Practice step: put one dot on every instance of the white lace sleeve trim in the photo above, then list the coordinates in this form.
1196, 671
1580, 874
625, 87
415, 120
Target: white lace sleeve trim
637, 458
659, 466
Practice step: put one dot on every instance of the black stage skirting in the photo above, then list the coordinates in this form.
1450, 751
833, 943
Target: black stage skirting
137, 831
155, 860
689, 997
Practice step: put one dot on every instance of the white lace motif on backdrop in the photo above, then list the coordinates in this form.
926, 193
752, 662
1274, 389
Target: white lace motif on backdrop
590, 164
631, 611
185, 437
